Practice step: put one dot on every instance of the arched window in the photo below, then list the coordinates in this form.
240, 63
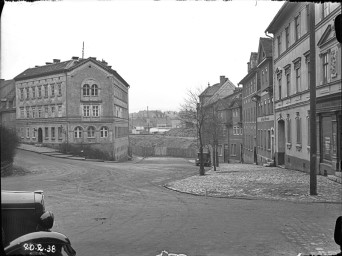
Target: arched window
86, 90
94, 90
78, 132
104, 132
91, 132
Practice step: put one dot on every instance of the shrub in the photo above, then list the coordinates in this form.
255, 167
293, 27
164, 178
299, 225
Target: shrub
9, 141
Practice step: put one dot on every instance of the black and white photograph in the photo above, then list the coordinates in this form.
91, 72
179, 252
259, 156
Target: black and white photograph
171, 128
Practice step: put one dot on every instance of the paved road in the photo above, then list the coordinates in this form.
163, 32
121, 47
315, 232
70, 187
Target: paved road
123, 209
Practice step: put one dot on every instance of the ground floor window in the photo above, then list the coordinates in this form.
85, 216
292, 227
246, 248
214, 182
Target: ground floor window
78, 132
91, 132
46, 133
27, 132
104, 132
53, 133
233, 149
326, 137
60, 132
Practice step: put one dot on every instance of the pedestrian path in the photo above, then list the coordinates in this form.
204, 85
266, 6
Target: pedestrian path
258, 182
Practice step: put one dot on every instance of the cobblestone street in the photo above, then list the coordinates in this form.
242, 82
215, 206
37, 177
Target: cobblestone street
258, 182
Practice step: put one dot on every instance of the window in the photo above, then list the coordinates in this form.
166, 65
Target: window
59, 109
22, 114
52, 86
95, 110
325, 67
268, 139
94, 90
86, 110
60, 131
53, 133
46, 110
27, 132
59, 88
288, 129
297, 27
233, 149
39, 91
309, 73
27, 93
27, 112
46, 92
39, 112
288, 81
46, 132
279, 45
266, 80
21, 93
298, 128
22, 134
33, 112
52, 110
78, 132
287, 37
297, 67
86, 90
33, 92
91, 132
104, 132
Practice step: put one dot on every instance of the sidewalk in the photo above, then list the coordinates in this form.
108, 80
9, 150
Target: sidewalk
55, 153
257, 182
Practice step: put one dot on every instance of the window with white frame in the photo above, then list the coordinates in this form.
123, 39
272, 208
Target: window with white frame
52, 110
27, 132
59, 109
288, 81
46, 133
299, 128
104, 132
39, 112
59, 88
27, 112
94, 90
297, 67
21, 93
78, 132
22, 113
53, 133
33, 112
33, 92
297, 27
52, 87
91, 132
46, 92
287, 37
46, 111
86, 110
325, 67
39, 91
288, 120
27, 93
95, 110
86, 90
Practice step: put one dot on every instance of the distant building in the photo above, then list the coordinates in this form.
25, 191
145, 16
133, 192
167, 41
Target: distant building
7, 104
79, 102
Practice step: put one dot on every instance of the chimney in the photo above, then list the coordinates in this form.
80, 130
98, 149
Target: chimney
36, 66
56, 61
253, 59
94, 58
109, 66
74, 58
248, 67
48, 63
223, 79
104, 62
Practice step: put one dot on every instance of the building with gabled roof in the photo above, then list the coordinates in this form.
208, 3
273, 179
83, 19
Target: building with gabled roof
81, 103
7, 104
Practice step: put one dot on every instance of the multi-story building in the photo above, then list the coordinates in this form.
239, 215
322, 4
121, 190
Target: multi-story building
250, 88
79, 102
264, 103
223, 121
291, 52
7, 104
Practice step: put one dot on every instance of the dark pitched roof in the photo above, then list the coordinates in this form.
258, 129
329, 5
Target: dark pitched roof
225, 90
211, 90
266, 44
7, 89
65, 66
44, 70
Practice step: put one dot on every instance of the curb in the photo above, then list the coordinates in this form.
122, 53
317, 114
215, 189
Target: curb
252, 198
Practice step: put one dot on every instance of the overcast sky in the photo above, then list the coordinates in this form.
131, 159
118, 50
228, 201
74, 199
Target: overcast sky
162, 49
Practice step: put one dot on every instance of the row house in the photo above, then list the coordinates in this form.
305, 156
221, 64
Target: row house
7, 104
223, 103
249, 109
76, 102
291, 79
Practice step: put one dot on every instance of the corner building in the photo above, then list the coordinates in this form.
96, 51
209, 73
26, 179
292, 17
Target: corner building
79, 102
291, 53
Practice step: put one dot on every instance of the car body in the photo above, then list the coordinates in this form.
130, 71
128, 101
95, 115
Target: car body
24, 219
206, 159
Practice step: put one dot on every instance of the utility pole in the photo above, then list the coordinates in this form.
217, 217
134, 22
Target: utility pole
313, 137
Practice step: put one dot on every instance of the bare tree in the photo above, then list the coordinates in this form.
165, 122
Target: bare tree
193, 113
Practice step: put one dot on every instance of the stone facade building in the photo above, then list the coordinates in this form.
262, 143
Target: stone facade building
79, 102
291, 52
250, 88
7, 104
264, 103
